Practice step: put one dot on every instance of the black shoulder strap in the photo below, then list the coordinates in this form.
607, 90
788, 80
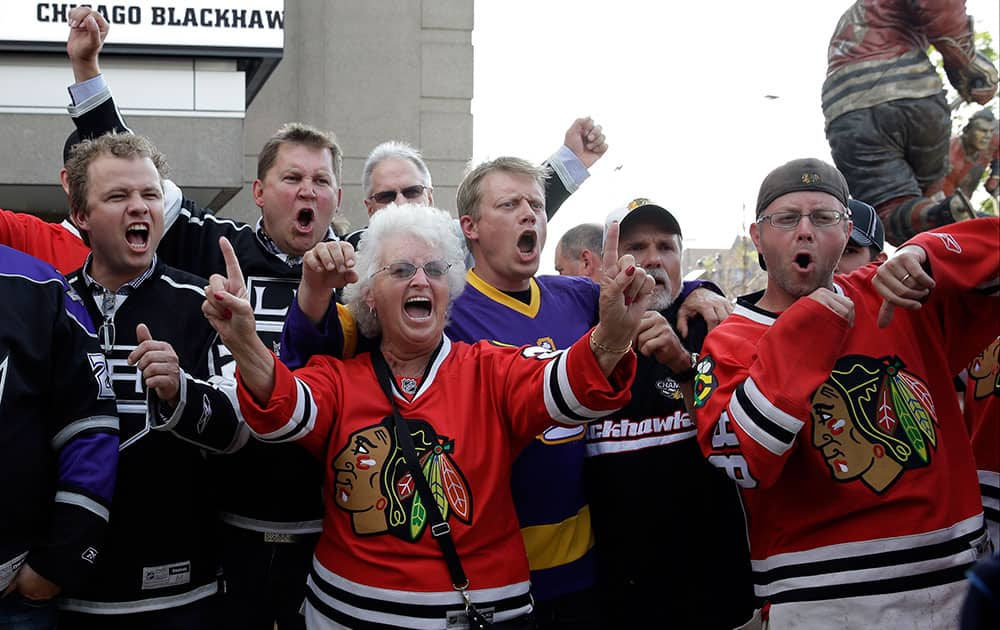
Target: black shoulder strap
440, 529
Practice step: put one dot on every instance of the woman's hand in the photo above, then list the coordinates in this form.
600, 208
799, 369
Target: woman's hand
228, 310
626, 291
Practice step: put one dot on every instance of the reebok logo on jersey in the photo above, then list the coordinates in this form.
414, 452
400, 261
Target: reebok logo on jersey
949, 242
89, 555
3, 376
206, 414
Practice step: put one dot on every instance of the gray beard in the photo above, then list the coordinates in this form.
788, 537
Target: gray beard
661, 299
663, 294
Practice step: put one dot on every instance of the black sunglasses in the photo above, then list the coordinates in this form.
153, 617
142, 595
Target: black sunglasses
410, 192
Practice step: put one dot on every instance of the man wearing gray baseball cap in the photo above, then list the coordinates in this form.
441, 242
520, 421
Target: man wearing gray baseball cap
829, 401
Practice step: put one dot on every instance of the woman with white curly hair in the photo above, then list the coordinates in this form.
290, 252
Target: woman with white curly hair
419, 434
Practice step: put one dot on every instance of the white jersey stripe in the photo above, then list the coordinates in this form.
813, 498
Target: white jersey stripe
83, 501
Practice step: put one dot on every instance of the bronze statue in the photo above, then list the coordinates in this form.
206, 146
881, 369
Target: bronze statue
887, 120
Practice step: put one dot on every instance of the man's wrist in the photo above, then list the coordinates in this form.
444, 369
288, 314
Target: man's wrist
85, 70
689, 370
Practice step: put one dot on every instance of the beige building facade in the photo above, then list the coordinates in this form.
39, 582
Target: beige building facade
369, 71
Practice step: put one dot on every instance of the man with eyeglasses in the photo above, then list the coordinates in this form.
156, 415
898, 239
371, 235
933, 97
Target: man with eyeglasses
830, 403
395, 172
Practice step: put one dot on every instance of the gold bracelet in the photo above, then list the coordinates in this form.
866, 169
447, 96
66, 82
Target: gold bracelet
594, 343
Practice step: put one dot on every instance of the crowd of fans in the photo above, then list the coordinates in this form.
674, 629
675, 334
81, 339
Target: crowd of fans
208, 424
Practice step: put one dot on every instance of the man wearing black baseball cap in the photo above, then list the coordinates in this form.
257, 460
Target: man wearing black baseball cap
867, 238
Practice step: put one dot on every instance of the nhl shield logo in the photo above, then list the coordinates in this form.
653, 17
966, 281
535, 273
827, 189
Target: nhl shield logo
408, 385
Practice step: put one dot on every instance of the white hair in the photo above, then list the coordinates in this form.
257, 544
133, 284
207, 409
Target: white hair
430, 225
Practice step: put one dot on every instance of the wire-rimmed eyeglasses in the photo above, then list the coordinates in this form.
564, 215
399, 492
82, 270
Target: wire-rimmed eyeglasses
404, 270
789, 219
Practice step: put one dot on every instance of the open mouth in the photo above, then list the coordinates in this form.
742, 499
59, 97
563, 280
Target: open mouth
137, 236
417, 307
840, 465
305, 217
802, 261
527, 242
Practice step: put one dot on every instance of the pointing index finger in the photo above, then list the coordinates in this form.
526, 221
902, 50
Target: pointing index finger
611, 250
234, 275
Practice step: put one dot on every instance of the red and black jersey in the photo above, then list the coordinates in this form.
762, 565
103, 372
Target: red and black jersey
848, 443
982, 418
475, 408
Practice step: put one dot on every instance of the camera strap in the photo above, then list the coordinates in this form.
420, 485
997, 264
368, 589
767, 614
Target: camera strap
439, 528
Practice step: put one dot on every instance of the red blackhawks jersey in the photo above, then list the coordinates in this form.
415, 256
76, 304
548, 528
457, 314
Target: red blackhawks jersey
849, 445
471, 413
982, 418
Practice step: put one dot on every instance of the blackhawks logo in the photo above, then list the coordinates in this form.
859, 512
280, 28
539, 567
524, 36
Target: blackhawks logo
704, 381
872, 420
984, 372
373, 483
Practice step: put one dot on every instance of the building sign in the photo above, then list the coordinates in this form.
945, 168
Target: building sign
156, 25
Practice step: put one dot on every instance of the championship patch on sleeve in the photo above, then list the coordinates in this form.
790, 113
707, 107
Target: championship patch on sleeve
704, 381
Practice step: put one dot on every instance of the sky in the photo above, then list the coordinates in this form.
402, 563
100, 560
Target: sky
681, 89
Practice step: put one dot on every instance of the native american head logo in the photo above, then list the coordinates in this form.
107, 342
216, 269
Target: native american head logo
984, 372
374, 485
872, 420
704, 381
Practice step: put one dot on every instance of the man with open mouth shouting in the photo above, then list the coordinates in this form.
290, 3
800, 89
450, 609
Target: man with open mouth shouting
829, 401
269, 496
158, 350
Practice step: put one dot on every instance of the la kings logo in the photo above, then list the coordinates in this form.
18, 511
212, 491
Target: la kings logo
270, 299
130, 394
99, 366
